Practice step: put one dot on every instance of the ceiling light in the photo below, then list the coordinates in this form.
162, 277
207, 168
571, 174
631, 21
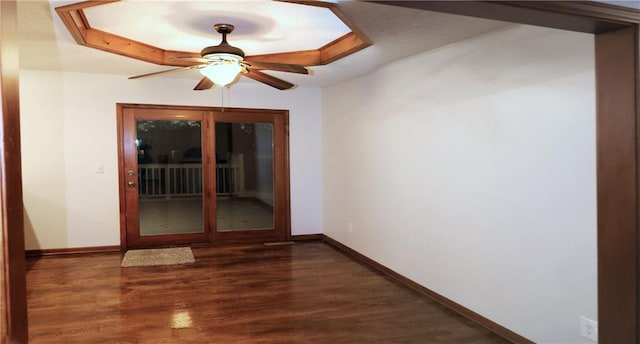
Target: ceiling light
223, 68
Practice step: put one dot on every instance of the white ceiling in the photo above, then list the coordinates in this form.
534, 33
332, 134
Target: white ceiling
261, 27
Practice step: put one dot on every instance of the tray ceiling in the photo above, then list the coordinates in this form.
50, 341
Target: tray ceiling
261, 26
394, 31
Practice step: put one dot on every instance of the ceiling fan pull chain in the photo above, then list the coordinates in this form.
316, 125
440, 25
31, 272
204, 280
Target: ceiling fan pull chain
222, 98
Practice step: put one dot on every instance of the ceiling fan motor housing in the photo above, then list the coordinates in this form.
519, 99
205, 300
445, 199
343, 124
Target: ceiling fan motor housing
222, 49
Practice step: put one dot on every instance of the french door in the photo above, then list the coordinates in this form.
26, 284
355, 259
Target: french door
200, 174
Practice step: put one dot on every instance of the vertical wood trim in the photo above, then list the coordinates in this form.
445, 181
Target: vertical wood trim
287, 179
617, 169
279, 163
211, 185
121, 176
14, 321
636, 63
4, 315
205, 156
129, 162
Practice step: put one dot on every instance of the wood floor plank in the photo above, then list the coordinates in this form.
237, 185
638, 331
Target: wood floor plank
302, 293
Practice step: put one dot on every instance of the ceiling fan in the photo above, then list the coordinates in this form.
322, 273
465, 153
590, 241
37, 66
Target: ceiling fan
221, 64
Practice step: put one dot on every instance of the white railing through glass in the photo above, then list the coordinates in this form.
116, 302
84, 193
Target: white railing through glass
185, 179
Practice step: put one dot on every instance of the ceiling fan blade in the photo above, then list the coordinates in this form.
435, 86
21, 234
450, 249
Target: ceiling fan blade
163, 72
204, 84
190, 58
269, 80
280, 67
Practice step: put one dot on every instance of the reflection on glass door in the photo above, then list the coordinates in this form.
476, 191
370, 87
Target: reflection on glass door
169, 177
244, 176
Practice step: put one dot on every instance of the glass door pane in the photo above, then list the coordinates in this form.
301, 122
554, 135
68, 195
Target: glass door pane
170, 179
244, 176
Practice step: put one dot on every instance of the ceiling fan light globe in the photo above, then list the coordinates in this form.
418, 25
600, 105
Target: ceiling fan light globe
223, 68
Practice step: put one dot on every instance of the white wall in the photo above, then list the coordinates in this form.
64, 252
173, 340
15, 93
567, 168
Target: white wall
471, 170
69, 128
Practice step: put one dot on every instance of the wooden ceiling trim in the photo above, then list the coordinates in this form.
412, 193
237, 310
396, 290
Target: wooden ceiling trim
75, 28
78, 6
341, 47
73, 17
79, 19
592, 9
337, 49
582, 16
124, 46
76, 22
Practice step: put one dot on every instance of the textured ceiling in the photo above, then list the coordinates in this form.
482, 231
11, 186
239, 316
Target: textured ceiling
624, 3
260, 27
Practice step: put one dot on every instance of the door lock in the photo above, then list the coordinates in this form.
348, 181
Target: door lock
131, 172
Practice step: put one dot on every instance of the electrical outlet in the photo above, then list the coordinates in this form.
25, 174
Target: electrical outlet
589, 328
349, 227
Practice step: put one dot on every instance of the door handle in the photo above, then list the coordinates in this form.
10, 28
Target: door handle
130, 172
131, 184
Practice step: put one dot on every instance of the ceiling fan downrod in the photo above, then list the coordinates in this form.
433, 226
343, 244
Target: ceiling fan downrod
224, 47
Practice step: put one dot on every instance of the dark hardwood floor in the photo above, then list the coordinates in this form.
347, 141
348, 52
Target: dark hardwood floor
303, 293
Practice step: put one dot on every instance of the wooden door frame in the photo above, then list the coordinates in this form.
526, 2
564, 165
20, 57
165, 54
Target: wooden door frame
617, 55
128, 121
284, 205
13, 290
281, 180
